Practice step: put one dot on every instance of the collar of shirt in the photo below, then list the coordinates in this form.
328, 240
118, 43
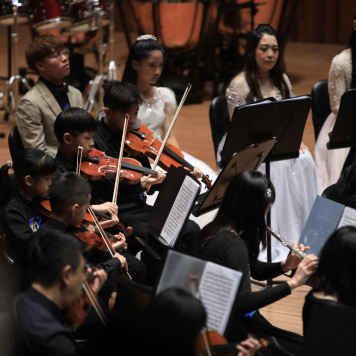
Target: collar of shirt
55, 89
64, 164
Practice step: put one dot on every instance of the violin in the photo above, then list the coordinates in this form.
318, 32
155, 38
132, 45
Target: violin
86, 231
99, 166
76, 313
143, 142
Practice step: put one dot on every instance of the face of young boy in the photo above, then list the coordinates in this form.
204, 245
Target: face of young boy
79, 213
116, 119
84, 140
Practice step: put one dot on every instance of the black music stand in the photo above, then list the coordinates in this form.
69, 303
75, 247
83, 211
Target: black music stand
344, 131
256, 122
248, 159
163, 227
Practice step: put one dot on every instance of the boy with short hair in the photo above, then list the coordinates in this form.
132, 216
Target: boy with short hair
57, 268
38, 108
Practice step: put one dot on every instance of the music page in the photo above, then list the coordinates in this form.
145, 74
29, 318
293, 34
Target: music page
218, 288
179, 211
348, 217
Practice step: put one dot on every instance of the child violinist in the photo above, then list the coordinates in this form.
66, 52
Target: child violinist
75, 127
70, 195
20, 199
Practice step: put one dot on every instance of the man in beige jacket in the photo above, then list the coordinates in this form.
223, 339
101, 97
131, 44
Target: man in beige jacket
39, 107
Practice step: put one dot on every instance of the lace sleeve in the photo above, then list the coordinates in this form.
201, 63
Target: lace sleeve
236, 93
339, 79
169, 99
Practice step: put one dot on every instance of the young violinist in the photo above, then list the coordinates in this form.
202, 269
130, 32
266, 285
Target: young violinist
58, 272
20, 195
121, 99
70, 196
75, 127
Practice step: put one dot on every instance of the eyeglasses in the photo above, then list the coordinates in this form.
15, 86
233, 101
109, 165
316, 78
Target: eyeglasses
58, 54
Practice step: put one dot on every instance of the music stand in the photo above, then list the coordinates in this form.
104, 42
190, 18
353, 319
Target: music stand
253, 123
344, 131
248, 159
171, 211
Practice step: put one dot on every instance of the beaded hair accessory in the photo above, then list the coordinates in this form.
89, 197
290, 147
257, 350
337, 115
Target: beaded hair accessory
268, 192
10, 164
146, 37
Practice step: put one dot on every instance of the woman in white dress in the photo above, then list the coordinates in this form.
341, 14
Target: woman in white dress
342, 76
143, 68
295, 180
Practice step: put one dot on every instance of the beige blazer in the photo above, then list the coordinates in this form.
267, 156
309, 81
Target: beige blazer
36, 113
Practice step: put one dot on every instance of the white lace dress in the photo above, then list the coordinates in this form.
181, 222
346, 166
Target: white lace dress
329, 162
295, 180
152, 114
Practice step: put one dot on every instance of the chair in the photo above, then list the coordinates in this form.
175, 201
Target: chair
132, 296
219, 120
330, 331
15, 143
320, 105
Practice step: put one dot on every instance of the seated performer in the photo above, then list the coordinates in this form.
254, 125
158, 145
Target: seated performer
143, 68
342, 76
38, 108
33, 169
119, 99
233, 239
58, 273
333, 293
295, 179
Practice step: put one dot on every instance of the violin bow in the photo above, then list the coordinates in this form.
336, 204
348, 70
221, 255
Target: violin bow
94, 302
103, 236
187, 90
79, 159
194, 287
117, 178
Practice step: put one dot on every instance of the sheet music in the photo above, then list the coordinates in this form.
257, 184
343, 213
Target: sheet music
348, 217
218, 288
179, 210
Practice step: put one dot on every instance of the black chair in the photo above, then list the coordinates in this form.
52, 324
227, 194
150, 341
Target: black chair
15, 143
219, 119
320, 105
132, 296
330, 331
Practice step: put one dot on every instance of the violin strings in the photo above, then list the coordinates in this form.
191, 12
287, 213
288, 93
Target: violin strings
101, 232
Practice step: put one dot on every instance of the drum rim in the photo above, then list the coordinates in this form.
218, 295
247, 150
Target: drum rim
55, 20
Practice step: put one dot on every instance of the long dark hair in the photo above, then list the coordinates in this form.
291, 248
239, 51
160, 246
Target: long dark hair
243, 209
348, 190
141, 49
251, 68
352, 45
29, 162
335, 274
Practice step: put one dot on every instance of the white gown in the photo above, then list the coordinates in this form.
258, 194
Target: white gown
329, 162
152, 115
295, 180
